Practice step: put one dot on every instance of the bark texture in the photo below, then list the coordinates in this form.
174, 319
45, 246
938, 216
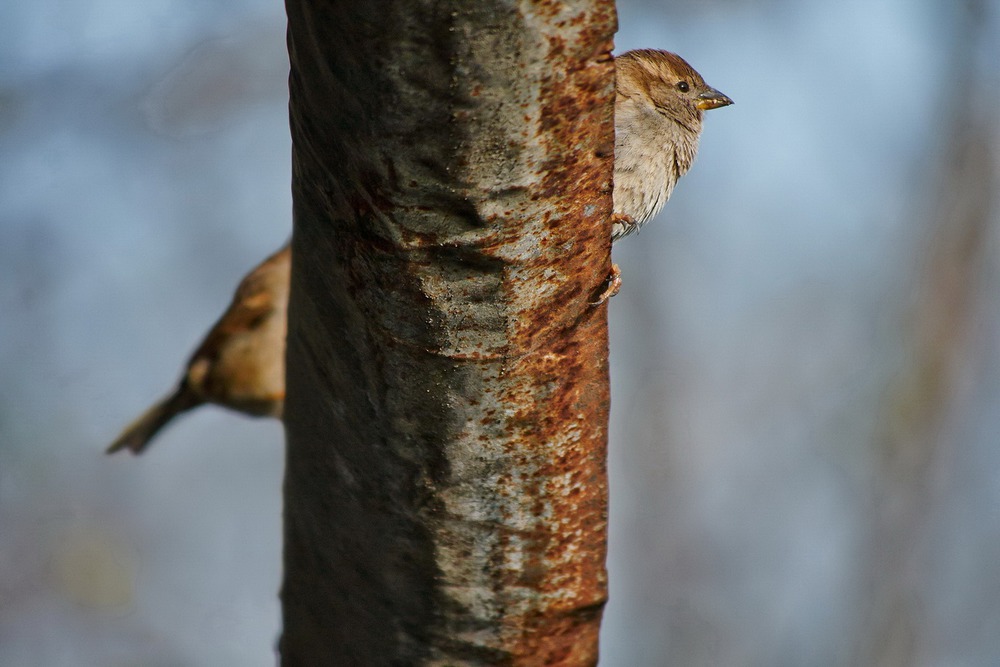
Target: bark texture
447, 389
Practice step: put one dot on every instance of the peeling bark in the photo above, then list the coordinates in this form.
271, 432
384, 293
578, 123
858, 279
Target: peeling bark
447, 389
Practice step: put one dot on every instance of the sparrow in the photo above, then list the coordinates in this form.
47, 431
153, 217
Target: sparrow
241, 362
659, 104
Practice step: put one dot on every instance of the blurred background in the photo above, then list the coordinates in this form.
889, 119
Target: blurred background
805, 354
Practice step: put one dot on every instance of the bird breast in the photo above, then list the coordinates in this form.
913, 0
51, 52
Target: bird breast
651, 153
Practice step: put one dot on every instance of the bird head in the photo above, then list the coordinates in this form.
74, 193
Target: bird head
665, 81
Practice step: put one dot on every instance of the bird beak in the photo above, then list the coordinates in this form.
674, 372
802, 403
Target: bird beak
712, 99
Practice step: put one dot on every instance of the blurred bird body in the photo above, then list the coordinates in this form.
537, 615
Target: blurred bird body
241, 363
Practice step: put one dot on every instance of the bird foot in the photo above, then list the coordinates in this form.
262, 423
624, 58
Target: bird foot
622, 224
614, 281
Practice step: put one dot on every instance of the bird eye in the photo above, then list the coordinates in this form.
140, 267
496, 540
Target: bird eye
683, 86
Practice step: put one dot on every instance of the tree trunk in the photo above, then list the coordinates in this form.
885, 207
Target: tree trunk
447, 394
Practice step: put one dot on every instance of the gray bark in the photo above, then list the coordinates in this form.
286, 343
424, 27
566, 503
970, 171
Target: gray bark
447, 388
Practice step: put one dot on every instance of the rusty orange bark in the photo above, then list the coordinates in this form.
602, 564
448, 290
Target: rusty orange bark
447, 405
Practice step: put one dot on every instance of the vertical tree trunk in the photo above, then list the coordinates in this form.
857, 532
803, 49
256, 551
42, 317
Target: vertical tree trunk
446, 416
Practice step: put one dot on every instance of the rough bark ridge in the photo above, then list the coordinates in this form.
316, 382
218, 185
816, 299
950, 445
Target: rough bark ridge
446, 415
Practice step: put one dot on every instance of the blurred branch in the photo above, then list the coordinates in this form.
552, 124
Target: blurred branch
922, 395
446, 414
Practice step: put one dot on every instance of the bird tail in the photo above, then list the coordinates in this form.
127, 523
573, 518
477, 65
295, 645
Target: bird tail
137, 435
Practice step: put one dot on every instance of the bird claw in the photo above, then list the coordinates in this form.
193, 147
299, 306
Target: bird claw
614, 281
622, 224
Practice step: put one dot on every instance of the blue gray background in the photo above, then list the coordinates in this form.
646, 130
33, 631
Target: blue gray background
806, 382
